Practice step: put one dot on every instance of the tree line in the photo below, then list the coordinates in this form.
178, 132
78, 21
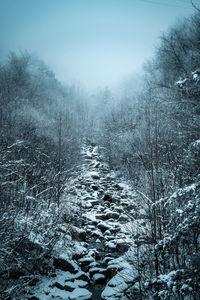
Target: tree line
152, 138
41, 129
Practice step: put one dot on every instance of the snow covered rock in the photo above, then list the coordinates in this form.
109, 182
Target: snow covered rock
80, 294
99, 278
94, 175
112, 214
103, 226
86, 260
95, 270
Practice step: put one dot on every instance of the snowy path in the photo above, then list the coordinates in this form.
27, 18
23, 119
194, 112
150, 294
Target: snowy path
100, 266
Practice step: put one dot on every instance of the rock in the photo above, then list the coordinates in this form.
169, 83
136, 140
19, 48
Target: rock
111, 271
95, 187
101, 216
108, 198
68, 287
97, 233
118, 187
80, 293
107, 259
109, 237
77, 256
95, 253
107, 203
93, 264
86, 260
114, 215
99, 278
97, 165
95, 270
81, 283
94, 202
78, 186
57, 285
86, 204
33, 298
94, 175
83, 276
103, 226
64, 265
115, 229
110, 245
107, 232
123, 218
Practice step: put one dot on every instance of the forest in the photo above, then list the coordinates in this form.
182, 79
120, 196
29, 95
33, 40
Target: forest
100, 194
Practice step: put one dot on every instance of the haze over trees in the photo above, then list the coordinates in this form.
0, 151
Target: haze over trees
149, 138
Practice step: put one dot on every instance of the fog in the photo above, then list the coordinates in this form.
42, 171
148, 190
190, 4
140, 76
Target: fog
92, 43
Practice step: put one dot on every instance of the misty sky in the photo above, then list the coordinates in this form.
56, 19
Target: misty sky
92, 42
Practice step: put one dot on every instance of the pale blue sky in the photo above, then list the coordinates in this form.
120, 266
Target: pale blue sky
94, 42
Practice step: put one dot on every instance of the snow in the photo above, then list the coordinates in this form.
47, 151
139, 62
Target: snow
93, 174
103, 231
109, 293
90, 216
95, 150
80, 283
86, 259
98, 233
98, 276
168, 278
110, 245
80, 294
97, 270
181, 82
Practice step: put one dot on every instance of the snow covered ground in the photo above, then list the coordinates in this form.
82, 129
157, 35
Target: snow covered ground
101, 238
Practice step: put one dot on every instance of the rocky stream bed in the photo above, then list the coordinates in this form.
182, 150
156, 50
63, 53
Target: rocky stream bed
100, 265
